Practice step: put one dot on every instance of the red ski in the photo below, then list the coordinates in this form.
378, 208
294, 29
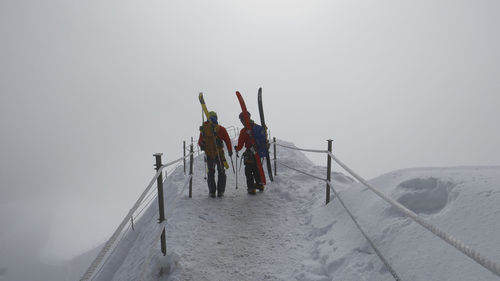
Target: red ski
252, 139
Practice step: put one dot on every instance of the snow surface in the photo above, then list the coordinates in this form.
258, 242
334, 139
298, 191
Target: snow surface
288, 233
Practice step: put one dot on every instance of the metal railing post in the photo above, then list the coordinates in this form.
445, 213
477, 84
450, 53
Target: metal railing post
275, 169
184, 153
191, 172
328, 171
161, 201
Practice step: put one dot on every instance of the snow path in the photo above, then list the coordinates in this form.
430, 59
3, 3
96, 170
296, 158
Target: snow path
237, 237
242, 236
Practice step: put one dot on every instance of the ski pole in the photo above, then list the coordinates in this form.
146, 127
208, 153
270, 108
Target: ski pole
241, 160
232, 165
237, 157
236, 169
205, 160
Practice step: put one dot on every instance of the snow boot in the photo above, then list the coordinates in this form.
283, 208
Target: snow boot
259, 187
212, 194
251, 191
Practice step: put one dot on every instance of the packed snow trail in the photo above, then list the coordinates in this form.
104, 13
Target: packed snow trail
242, 236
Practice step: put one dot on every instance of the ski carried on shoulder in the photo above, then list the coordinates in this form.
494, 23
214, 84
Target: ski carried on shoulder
263, 124
248, 127
205, 110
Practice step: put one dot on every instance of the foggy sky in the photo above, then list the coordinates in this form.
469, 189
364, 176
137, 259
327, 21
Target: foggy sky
90, 90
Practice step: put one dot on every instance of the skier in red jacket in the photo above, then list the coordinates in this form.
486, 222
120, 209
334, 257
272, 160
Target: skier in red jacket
251, 169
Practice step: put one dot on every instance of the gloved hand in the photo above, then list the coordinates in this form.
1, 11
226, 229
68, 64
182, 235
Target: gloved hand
230, 153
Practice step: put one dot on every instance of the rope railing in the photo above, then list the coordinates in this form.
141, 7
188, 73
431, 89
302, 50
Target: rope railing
234, 130
147, 201
167, 169
151, 252
158, 231
144, 200
108, 247
176, 161
196, 150
302, 149
89, 274
152, 194
379, 254
302, 172
463, 248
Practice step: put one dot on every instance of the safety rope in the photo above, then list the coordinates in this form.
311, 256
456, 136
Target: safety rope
195, 149
302, 149
109, 245
234, 130
152, 196
177, 160
122, 236
379, 254
302, 172
159, 231
145, 265
467, 250
186, 183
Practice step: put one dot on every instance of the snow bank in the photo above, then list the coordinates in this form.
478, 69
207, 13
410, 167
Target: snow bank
462, 201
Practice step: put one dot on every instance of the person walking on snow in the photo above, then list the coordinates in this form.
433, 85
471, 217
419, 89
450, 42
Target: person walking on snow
211, 137
251, 169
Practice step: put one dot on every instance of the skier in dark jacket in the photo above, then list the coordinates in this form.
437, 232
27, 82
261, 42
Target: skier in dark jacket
251, 169
210, 141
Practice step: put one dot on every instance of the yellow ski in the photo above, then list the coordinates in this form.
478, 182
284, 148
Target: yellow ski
205, 110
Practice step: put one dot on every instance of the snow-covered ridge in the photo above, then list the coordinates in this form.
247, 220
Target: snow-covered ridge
287, 233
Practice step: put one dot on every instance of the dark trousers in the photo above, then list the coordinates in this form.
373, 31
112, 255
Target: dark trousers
251, 170
221, 175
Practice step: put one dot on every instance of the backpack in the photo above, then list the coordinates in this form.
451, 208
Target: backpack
213, 144
260, 135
